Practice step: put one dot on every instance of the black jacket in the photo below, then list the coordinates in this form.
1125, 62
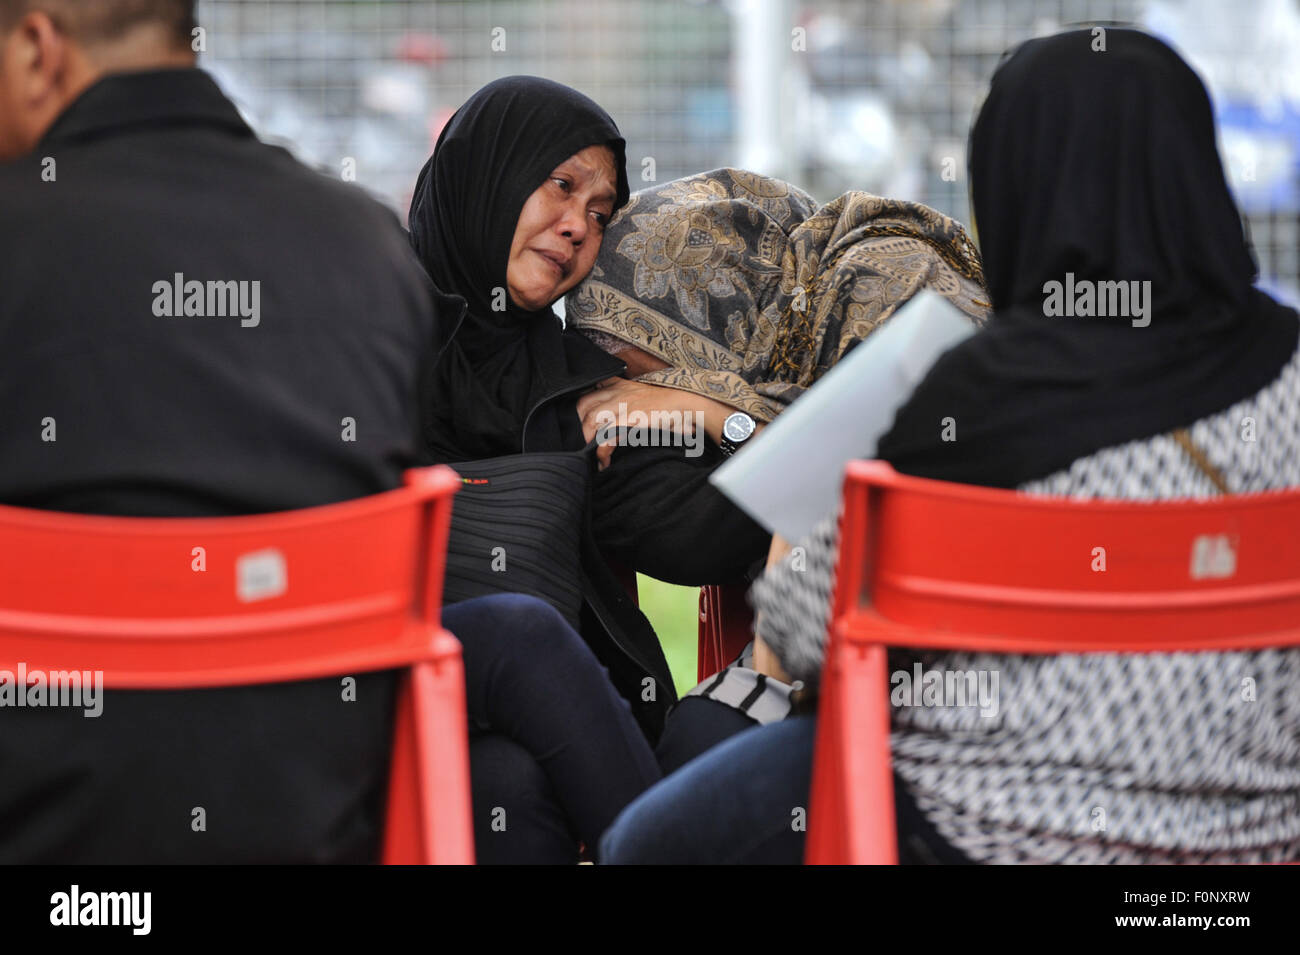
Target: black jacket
564, 367
656, 512
155, 174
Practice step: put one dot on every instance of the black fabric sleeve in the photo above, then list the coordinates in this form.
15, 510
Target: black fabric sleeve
655, 511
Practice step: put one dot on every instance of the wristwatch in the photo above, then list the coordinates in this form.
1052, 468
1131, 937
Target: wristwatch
736, 430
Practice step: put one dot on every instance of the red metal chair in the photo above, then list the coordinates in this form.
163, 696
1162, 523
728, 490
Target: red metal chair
927, 564
324, 591
725, 628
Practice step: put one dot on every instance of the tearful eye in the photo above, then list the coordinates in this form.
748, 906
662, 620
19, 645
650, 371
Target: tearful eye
563, 183
602, 219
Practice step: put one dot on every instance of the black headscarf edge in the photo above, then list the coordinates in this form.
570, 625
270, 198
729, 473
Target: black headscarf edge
1030, 394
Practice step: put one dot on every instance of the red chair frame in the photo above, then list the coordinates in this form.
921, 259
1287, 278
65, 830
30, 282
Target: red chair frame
358, 588
725, 627
929, 564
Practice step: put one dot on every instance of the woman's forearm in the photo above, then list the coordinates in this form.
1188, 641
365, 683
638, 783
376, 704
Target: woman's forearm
793, 598
617, 397
709, 414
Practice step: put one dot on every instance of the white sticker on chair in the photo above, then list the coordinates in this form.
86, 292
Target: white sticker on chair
261, 575
1213, 556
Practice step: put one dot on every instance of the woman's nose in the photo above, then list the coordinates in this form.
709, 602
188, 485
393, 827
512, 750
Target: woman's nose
573, 225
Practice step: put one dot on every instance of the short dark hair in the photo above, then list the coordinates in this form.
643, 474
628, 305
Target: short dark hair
92, 21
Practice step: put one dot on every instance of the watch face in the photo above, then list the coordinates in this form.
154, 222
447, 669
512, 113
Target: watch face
738, 427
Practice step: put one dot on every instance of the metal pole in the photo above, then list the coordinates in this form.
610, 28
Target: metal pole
760, 47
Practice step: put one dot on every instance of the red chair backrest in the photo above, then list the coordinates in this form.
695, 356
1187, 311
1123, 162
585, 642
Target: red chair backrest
162, 603
1033, 574
930, 564
170, 602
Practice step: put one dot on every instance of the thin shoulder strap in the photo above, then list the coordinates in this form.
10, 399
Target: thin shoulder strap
1184, 439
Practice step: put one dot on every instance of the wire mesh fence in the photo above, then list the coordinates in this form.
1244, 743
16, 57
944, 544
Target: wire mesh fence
831, 94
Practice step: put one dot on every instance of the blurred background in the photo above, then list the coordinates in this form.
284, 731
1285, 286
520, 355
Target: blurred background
830, 94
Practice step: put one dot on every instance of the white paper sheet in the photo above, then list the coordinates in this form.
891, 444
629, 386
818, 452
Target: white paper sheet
790, 475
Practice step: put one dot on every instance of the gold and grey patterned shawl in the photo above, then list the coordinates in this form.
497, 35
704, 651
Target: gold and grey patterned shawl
750, 292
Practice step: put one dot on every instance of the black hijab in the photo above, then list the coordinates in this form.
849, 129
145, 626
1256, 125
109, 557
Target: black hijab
492, 155
1103, 164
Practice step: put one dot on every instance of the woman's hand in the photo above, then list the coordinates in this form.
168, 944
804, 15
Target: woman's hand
600, 410
615, 400
634, 396
677, 410
778, 549
765, 661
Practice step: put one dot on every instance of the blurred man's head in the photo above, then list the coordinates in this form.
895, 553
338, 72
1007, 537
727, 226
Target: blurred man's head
51, 50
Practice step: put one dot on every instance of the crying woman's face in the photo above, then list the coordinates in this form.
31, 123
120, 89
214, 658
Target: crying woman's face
560, 228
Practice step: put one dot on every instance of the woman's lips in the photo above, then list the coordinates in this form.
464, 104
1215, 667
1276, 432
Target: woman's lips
560, 270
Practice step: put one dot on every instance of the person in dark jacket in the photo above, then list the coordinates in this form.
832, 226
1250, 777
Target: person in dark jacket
193, 324
506, 217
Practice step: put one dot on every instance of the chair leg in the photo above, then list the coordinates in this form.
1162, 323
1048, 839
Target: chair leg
869, 777
429, 820
828, 809
735, 622
443, 726
706, 654
402, 830
725, 628
851, 816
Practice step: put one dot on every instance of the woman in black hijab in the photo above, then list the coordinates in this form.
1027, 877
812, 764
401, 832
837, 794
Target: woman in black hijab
503, 146
507, 216
1136, 193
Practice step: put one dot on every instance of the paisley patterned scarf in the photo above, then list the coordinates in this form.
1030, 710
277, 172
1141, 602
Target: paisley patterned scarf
750, 292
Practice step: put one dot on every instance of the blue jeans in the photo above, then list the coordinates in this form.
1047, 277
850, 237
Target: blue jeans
555, 752
739, 803
695, 725
745, 801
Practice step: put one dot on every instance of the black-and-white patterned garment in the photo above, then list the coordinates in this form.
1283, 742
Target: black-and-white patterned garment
760, 697
1103, 758
763, 698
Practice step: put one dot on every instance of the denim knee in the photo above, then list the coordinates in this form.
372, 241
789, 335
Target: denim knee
511, 612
